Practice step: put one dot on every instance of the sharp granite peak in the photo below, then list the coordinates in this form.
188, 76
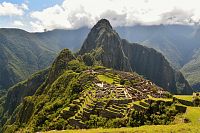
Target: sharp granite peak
103, 46
103, 23
99, 32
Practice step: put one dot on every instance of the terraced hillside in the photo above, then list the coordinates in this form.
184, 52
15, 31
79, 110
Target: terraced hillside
113, 94
187, 122
72, 95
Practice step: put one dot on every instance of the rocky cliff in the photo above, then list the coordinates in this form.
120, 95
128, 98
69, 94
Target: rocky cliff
106, 46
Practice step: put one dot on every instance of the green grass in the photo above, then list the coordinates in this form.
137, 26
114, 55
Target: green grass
179, 128
193, 113
160, 99
184, 97
106, 79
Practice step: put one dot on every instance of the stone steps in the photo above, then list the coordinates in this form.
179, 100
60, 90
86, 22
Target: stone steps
144, 104
139, 107
114, 110
123, 108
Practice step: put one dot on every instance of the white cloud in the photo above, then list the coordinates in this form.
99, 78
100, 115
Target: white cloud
9, 9
177, 16
24, 6
49, 18
18, 23
37, 26
77, 13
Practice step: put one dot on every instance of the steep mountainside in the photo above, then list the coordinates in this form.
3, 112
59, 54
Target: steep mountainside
59, 39
104, 46
191, 71
23, 53
71, 95
178, 43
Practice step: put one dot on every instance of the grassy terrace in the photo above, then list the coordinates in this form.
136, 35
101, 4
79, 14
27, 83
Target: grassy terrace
184, 97
160, 99
193, 113
106, 79
178, 128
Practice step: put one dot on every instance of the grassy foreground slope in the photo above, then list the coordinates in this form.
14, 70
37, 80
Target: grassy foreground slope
192, 127
178, 128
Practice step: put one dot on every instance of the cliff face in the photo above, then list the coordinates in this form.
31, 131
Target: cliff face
111, 51
106, 46
153, 65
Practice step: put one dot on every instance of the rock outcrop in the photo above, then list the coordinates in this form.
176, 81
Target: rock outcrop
105, 44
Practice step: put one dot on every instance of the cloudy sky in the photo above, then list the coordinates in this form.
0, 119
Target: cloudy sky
37, 15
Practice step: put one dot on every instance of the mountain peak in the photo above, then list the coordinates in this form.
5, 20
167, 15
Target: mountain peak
103, 23
106, 46
97, 35
60, 64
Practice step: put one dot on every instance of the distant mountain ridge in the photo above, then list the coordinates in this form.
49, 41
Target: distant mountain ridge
24, 53
21, 55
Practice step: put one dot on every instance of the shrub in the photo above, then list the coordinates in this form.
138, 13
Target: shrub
96, 122
122, 82
196, 101
116, 123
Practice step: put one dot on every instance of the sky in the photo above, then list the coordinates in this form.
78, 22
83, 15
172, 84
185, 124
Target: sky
40, 15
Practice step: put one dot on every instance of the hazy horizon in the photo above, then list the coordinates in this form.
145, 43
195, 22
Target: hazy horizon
35, 16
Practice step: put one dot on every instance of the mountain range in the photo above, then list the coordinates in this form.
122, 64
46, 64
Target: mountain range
24, 53
178, 43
